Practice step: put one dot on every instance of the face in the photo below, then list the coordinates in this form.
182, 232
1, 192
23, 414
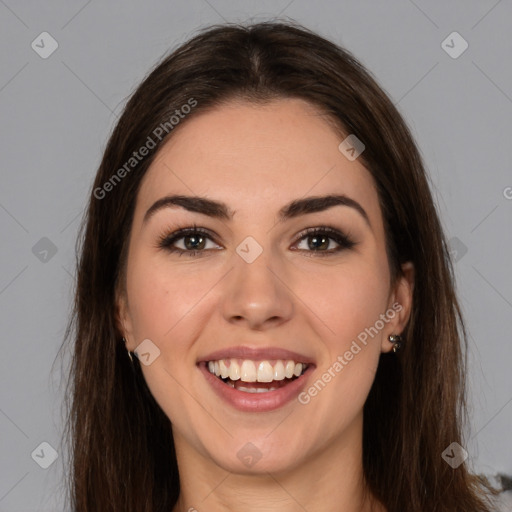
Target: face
292, 305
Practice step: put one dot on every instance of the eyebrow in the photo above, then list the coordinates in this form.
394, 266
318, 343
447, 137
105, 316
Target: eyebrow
221, 210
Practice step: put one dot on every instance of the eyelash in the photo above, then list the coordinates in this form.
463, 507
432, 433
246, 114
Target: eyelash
344, 242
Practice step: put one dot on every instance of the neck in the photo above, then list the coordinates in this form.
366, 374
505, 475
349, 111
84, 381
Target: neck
330, 480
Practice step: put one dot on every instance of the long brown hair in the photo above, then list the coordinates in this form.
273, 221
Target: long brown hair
121, 445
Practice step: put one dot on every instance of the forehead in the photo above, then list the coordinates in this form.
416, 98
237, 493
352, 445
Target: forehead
245, 154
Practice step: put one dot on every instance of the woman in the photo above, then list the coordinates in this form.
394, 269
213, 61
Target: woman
265, 315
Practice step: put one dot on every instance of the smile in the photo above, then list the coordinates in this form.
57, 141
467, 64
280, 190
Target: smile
251, 376
258, 385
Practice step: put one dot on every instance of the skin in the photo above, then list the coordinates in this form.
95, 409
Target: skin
256, 159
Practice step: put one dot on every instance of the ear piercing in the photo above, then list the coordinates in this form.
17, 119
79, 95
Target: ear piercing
129, 353
396, 339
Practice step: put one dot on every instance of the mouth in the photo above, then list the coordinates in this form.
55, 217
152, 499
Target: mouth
256, 376
251, 383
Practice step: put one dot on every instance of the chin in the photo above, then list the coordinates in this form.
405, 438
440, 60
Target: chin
257, 454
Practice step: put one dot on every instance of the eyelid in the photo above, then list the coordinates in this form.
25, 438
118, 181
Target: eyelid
166, 238
344, 241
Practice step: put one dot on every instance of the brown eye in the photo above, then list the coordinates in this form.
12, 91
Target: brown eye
320, 240
189, 241
193, 242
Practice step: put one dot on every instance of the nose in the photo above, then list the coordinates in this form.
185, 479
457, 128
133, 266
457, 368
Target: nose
256, 294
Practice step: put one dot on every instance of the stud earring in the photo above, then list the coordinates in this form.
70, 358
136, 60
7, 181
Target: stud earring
396, 339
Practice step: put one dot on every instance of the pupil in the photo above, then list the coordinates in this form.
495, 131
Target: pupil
315, 240
195, 240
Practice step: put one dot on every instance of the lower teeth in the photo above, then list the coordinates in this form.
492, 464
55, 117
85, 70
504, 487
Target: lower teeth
254, 390
245, 389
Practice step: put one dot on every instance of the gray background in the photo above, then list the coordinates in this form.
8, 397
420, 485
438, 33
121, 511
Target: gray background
55, 117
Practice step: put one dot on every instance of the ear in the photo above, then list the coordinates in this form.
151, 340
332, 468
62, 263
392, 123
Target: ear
123, 319
400, 302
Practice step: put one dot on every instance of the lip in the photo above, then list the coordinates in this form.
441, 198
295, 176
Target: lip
256, 354
256, 402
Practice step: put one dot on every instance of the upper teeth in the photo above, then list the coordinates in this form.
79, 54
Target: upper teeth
255, 371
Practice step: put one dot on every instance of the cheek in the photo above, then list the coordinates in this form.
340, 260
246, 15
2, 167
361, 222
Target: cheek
159, 299
151, 302
162, 310
348, 301
167, 306
358, 298
350, 304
